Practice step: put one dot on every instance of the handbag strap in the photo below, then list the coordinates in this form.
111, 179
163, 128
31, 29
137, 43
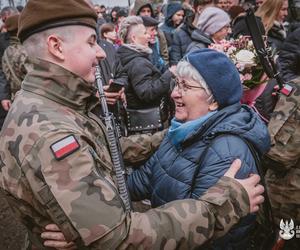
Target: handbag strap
266, 205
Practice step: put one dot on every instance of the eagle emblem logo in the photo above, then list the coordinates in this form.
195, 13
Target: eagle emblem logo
287, 229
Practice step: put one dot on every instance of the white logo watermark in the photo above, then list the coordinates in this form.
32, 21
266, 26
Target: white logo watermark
287, 229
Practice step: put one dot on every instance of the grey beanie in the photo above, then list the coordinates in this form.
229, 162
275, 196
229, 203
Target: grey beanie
212, 19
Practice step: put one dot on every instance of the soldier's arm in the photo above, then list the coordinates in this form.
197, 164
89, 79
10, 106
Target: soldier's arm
188, 224
284, 129
140, 147
185, 224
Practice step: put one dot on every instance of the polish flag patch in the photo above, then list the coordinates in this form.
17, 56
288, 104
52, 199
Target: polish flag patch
64, 147
287, 90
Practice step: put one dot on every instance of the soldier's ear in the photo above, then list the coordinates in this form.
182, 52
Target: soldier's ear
55, 47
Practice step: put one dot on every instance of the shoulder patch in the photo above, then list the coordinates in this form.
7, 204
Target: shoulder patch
64, 147
287, 89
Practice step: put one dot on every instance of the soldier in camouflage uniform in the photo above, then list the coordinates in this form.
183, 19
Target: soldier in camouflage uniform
283, 160
14, 61
55, 166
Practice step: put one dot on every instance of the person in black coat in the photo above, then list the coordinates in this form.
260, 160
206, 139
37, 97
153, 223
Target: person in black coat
273, 13
147, 90
289, 56
182, 39
146, 85
173, 18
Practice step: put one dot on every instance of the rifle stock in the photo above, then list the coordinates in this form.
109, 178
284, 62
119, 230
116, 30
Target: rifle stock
114, 145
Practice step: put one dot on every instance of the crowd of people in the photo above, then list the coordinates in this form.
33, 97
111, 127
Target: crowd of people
193, 149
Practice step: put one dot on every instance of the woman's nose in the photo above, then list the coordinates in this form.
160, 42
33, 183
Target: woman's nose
176, 93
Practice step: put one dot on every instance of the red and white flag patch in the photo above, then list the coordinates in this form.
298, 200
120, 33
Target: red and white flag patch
64, 147
287, 89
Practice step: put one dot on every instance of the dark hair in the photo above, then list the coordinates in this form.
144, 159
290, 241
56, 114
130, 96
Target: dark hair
148, 5
107, 27
122, 13
201, 2
20, 8
8, 10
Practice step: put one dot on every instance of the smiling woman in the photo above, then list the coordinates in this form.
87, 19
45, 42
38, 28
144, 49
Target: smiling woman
147, 90
210, 129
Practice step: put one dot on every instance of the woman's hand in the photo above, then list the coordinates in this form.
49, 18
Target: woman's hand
251, 184
55, 238
113, 97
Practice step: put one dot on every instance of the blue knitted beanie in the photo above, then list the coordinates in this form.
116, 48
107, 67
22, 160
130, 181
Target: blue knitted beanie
219, 73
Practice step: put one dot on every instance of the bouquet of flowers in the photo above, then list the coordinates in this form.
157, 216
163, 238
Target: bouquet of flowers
242, 52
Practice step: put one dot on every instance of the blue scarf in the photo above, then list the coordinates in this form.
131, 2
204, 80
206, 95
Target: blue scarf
179, 131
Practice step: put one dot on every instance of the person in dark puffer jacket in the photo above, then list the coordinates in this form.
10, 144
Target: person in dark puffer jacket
210, 129
173, 18
289, 56
182, 39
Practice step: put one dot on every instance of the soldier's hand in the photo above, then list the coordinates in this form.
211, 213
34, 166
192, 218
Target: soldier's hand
251, 184
54, 238
6, 104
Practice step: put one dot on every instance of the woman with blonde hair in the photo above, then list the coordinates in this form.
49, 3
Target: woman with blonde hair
273, 14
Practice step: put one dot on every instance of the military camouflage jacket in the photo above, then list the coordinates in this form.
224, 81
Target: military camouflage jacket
56, 167
284, 128
14, 64
283, 175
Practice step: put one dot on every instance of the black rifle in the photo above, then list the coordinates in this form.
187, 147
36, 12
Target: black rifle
114, 144
264, 53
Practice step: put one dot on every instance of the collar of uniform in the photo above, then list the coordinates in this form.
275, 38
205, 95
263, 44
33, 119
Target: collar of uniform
60, 85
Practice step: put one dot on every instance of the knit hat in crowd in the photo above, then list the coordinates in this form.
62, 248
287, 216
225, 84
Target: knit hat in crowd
220, 75
11, 24
212, 19
40, 15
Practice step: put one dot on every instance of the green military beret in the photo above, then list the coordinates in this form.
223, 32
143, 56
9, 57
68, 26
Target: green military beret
11, 24
40, 15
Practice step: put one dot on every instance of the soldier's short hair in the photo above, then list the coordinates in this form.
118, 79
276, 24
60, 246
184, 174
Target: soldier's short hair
36, 44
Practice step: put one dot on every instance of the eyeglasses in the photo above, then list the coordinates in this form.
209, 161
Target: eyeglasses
182, 85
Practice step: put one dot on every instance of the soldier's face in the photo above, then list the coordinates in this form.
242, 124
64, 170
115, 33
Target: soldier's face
82, 53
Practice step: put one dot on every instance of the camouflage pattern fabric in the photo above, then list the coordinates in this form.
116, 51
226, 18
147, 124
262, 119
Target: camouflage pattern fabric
139, 147
14, 64
283, 175
54, 104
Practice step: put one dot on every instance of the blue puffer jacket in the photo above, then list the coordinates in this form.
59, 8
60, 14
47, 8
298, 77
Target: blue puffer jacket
168, 175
